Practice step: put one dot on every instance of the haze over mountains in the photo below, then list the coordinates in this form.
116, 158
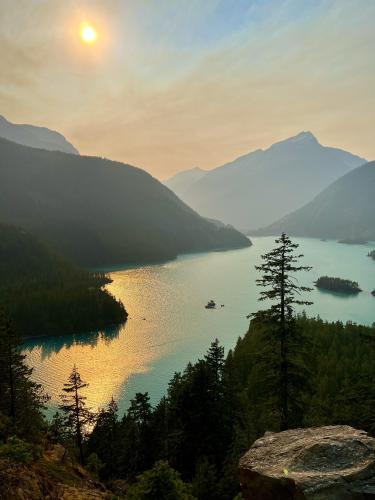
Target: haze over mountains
100, 212
256, 189
35, 137
181, 182
344, 210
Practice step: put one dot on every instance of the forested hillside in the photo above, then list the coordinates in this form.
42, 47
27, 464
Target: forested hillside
218, 406
188, 445
44, 294
345, 210
100, 212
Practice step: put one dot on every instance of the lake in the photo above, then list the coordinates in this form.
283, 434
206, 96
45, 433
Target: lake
169, 326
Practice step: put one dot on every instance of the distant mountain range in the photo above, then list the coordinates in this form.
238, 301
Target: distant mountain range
181, 182
99, 212
344, 210
35, 137
260, 187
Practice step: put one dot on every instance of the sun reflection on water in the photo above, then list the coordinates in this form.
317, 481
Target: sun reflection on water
105, 359
168, 325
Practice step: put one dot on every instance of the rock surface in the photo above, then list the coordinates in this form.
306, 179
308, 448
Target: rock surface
330, 463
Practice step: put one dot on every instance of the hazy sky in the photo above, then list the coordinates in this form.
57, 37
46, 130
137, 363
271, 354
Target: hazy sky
172, 84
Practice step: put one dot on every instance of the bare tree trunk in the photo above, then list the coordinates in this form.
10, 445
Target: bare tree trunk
284, 424
11, 384
78, 428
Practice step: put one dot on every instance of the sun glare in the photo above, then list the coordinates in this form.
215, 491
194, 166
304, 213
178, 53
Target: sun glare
88, 33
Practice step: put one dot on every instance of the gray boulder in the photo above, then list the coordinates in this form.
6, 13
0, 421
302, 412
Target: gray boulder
330, 463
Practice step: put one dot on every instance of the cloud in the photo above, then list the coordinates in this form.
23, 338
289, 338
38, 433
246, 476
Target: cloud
193, 83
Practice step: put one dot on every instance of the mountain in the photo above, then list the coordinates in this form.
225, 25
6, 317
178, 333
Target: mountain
182, 181
98, 212
256, 189
44, 294
35, 137
344, 210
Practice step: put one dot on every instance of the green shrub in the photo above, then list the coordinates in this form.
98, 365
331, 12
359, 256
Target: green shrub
19, 450
94, 464
160, 482
5, 426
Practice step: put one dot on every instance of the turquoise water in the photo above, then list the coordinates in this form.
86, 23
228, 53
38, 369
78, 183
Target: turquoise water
169, 326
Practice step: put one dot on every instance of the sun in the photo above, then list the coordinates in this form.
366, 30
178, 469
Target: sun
88, 33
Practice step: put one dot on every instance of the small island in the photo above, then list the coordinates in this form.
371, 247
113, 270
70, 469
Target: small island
337, 285
373, 293
353, 241
372, 254
211, 304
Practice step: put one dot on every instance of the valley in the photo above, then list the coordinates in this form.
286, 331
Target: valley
168, 325
187, 250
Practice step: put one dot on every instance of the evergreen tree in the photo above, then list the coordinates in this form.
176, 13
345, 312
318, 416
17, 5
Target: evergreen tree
283, 291
57, 429
160, 429
78, 416
140, 409
205, 483
104, 438
198, 418
161, 482
215, 360
137, 436
21, 399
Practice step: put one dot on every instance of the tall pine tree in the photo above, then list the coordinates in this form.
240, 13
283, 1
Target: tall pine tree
280, 287
104, 439
21, 399
78, 416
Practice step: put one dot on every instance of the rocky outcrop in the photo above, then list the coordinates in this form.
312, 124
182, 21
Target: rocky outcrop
330, 463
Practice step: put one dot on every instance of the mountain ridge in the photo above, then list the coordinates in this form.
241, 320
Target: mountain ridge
256, 188
183, 180
35, 136
100, 212
344, 210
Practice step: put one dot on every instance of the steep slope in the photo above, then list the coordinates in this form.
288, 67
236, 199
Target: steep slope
52, 475
344, 210
256, 189
100, 212
182, 181
35, 137
24, 258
